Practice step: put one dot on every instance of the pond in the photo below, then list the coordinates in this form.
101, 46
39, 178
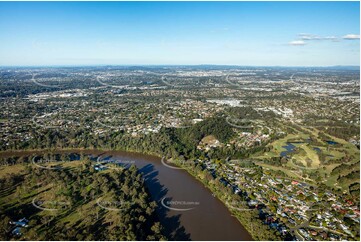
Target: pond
331, 142
289, 149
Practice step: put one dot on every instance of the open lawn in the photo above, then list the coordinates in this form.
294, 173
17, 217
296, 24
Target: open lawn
305, 152
13, 169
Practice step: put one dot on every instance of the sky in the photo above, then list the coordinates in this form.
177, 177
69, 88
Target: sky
184, 33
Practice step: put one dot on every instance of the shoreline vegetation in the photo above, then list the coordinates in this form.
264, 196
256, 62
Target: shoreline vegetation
117, 198
248, 218
214, 186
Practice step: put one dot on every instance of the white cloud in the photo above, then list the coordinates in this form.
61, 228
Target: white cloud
332, 38
306, 38
351, 36
309, 37
297, 43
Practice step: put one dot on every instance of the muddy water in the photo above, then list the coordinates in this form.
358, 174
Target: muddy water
187, 209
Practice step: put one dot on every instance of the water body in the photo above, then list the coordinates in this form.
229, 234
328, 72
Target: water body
289, 149
207, 217
331, 142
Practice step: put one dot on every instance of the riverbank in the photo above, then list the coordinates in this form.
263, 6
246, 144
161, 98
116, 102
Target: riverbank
247, 217
211, 220
7, 153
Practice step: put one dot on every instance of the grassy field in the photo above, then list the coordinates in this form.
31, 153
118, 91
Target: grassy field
14, 169
310, 152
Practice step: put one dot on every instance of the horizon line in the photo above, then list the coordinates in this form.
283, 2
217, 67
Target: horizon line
140, 65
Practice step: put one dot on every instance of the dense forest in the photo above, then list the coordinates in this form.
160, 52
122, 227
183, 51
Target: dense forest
170, 142
77, 202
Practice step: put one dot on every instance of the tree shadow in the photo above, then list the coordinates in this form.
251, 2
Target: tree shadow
173, 230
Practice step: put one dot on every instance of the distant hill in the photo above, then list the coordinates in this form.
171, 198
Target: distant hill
352, 68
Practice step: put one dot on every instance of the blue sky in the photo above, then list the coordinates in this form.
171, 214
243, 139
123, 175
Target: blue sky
127, 33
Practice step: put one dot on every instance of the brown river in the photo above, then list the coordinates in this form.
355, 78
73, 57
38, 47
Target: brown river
187, 210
